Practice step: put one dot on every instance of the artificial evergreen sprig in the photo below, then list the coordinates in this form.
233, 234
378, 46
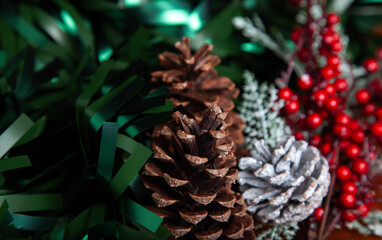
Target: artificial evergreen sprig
369, 225
255, 31
260, 110
278, 232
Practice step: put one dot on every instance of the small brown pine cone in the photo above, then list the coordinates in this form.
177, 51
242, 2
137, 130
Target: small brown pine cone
194, 83
191, 177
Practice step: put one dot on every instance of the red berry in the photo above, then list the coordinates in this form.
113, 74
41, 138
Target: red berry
332, 104
354, 124
371, 65
305, 82
319, 96
349, 216
313, 120
342, 118
341, 131
378, 113
336, 35
343, 173
372, 155
313, 27
330, 89
355, 178
362, 96
360, 166
332, 19
368, 198
301, 123
318, 213
378, 53
357, 136
303, 54
344, 144
333, 60
296, 34
353, 151
294, 97
328, 30
376, 86
347, 200
295, 2
323, 50
363, 210
369, 108
285, 93
349, 187
292, 106
341, 84
325, 148
324, 114
336, 46
299, 136
315, 140
376, 129
327, 72
328, 38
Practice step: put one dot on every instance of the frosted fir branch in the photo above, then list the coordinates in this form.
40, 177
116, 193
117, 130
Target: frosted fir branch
340, 6
254, 31
255, 34
356, 225
258, 22
371, 224
260, 110
278, 232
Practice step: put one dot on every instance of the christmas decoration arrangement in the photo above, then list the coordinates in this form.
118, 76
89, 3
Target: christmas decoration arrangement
194, 120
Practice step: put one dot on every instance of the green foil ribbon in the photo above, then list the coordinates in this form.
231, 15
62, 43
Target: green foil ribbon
138, 155
14, 163
141, 215
32, 223
14, 133
107, 150
33, 202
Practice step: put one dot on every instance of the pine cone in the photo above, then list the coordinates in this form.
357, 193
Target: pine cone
191, 177
194, 83
286, 184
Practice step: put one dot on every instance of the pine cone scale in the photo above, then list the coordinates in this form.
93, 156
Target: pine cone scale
212, 234
193, 217
204, 199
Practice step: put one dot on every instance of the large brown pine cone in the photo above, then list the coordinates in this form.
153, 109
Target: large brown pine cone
194, 83
191, 177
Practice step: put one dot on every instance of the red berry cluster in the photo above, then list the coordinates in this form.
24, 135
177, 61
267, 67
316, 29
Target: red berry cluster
317, 112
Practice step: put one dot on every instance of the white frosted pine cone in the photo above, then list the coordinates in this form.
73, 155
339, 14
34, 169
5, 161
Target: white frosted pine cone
284, 184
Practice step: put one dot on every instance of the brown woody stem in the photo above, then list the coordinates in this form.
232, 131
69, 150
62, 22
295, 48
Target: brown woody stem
328, 199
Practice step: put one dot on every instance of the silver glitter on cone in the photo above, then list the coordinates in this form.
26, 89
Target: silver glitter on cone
285, 184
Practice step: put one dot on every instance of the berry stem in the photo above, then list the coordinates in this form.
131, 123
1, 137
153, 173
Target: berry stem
285, 76
328, 198
331, 225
